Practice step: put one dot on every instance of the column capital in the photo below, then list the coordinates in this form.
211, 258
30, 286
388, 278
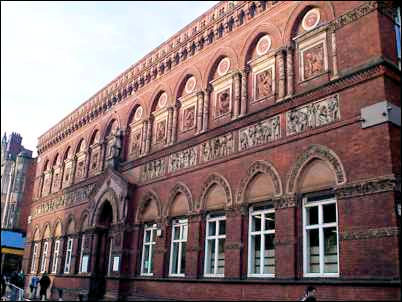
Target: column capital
246, 69
209, 88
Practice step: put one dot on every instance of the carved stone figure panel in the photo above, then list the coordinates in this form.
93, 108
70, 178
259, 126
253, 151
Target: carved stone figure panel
313, 61
67, 175
217, 147
135, 143
80, 170
264, 84
222, 102
260, 133
189, 115
46, 184
56, 180
313, 115
182, 160
94, 161
160, 132
153, 169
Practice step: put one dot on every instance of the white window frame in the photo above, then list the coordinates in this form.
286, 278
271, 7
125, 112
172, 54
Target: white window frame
152, 228
44, 256
216, 238
82, 251
261, 233
109, 267
55, 256
183, 232
69, 252
320, 226
34, 255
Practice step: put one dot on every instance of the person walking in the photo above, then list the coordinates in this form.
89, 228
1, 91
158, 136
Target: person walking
44, 284
309, 295
34, 286
3, 284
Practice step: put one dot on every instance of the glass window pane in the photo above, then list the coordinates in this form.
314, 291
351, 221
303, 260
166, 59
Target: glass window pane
183, 258
176, 232
146, 261
256, 224
269, 221
210, 256
330, 251
255, 254
269, 254
329, 212
175, 255
212, 228
151, 263
147, 235
222, 227
313, 250
312, 215
221, 256
184, 232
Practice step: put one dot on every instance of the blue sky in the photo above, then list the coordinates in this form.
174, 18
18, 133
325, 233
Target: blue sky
55, 55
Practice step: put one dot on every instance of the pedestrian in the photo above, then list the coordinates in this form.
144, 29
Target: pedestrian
3, 284
309, 295
60, 294
34, 286
21, 279
44, 284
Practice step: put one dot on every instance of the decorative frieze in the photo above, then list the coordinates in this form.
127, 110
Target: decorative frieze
370, 234
217, 147
313, 115
182, 160
259, 133
67, 199
153, 169
368, 187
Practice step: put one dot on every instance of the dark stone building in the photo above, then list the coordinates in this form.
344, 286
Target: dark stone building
251, 155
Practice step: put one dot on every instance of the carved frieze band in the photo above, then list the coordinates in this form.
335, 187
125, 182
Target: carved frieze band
313, 115
183, 160
370, 233
260, 133
369, 187
218, 147
67, 199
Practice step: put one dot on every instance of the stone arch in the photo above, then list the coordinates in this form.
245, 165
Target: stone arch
319, 152
132, 110
46, 165
94, 136
215, 59
70, 225
107, 196
46, 232
155, 96
58, 228
81, 145
107, 127
265, 168
56, 158
212, 181
67, 153
190, 71
298, 12
36, 235
84, 221
179, 188
256, 33
147, 198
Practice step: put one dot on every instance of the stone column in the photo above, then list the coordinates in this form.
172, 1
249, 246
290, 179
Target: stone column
193, 249
205, 116
289, 70
102, 154
334, 59
285, 239
174, 124
87, 162
73, 168
236, 105
51, 181
135, 265
149, 135
144, 137
94, 251
233, 244
75, 254
244, 90
281, 63
200, 104
169, 124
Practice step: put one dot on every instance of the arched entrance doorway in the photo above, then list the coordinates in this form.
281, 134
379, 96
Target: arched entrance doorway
101, 268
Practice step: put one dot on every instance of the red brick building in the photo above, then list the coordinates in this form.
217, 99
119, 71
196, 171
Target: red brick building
254, 153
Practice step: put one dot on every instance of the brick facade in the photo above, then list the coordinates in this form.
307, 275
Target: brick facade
259, 105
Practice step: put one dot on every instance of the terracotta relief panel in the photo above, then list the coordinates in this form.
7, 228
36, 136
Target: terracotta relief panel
56, 180
222, 102
80, 170
160, 131
135, 143
313, 61
313, 115
260, 133
189, 116
217, 147
264, 83
153, 169
182, 160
